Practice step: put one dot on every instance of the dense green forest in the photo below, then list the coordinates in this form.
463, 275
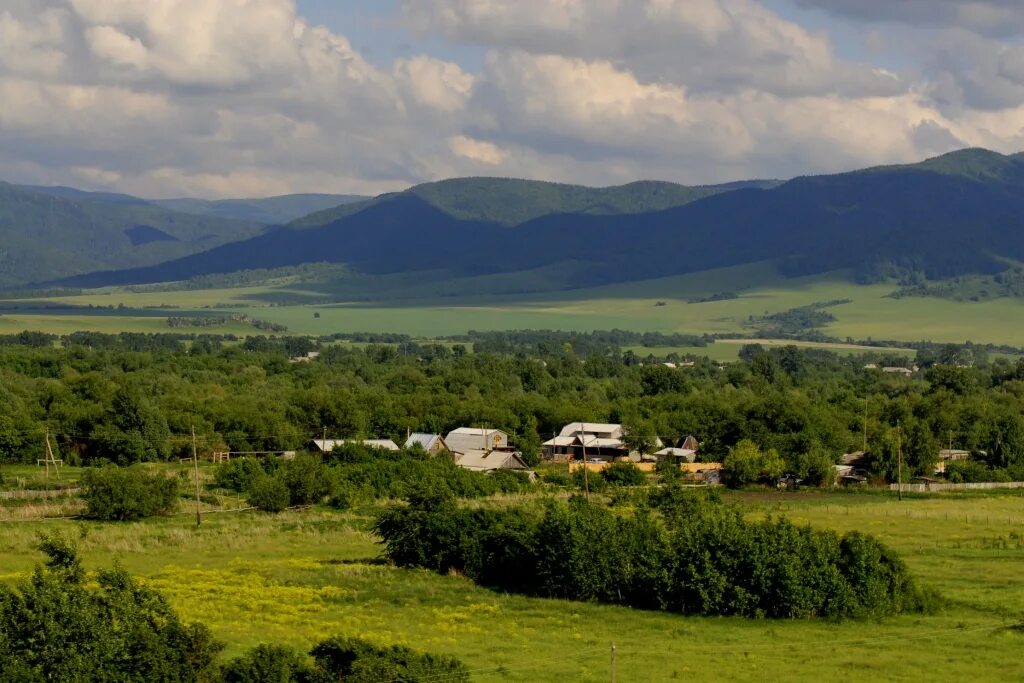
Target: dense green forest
129, 398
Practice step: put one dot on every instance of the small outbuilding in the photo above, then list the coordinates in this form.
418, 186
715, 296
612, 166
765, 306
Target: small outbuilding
431, 443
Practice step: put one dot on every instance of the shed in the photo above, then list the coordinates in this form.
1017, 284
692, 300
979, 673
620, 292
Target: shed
431, 443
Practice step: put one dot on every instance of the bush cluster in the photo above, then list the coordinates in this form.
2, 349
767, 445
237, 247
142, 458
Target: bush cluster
342, 659
696, 557
355, 474
65, 625
58, 625
115, 493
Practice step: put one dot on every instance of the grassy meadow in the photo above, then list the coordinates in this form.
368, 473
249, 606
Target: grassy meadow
303, 575
430, 309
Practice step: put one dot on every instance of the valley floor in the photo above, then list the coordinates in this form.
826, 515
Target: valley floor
426, 309
301, 576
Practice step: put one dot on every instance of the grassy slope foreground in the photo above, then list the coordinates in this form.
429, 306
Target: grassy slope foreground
298, 577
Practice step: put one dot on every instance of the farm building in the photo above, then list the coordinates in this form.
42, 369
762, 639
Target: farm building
679, 454
431, 443
950, 455
327, 445
465, 439
685, 450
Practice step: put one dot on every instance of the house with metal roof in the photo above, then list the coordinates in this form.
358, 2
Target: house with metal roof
591, 440
431, 443
465, 439
327, 445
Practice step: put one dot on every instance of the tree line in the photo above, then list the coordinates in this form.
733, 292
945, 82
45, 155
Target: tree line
133, 398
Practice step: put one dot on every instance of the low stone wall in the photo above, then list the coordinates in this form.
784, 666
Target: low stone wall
980, 486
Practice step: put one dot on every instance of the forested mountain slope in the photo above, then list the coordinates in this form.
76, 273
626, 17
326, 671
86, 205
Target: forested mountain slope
962, 213
46, 237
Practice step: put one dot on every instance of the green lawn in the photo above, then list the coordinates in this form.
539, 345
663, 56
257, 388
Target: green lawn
301, 576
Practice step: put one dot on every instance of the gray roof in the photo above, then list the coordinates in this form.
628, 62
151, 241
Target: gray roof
466, 439
328, 445
425, 440
486, 461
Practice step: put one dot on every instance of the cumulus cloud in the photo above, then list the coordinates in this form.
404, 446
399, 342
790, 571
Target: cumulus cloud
997, 17
246, 97
703, 44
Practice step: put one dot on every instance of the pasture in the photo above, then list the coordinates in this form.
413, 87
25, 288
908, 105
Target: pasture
429, 309
304, 575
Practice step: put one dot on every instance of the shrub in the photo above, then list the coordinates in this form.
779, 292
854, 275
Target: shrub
306, 478
267, 664
115, 493
342, 659
585, 479
555, 477
238, 474
60, 625
967, 471
624, 474
357, 661
746, 464
268, 494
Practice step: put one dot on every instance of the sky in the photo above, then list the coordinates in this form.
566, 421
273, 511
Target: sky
245, 98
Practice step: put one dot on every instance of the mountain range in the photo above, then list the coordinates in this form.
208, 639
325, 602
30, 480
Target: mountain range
958, 213
52, 232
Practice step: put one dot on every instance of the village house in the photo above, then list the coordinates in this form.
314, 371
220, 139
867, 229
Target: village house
433, 444
327, 445
598, 441
465, 439
490, 461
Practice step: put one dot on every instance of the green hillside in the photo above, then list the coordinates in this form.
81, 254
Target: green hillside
268, 210
511, 201
43, 236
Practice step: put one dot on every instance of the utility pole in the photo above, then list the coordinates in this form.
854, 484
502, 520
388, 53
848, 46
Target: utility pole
899, 462
613, 661
195, 467
586, 479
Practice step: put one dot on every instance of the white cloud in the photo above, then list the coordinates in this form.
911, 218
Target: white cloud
996, 17
477, 150
433, 83
245, 97
702, 44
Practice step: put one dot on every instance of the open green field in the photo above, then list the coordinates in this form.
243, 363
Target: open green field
425, 309
301, 576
